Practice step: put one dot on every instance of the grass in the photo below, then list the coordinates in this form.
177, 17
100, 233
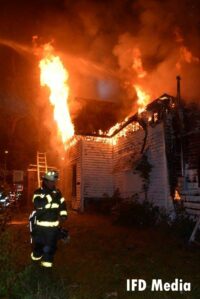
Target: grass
97, 262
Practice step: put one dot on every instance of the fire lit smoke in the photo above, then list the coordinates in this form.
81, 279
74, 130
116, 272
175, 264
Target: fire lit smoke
151, 42
185, 54
145, 53
55, 76
165, 44
138, 64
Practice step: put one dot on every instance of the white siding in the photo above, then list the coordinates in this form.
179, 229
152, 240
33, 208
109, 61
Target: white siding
127, 152
159, 190
73, 157
97, 169
103, 167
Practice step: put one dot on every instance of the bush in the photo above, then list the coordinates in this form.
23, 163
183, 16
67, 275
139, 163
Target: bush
133, 212
102, 205
182, 226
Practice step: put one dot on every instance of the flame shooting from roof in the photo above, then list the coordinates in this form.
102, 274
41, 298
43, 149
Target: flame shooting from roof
143, 98
54, 75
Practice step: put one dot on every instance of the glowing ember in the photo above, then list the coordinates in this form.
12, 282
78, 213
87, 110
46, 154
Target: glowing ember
143, 98
55, 76
114, 128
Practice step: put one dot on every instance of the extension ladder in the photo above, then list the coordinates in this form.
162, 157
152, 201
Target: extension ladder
41, 166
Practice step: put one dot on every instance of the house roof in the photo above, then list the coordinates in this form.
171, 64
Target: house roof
158, 105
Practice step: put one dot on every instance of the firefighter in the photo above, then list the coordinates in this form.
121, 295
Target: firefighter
50, 210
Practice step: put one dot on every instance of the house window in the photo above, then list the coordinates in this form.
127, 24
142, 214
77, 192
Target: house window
74, 174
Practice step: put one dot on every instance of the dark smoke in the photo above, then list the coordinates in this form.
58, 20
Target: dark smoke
107, 33
96, 40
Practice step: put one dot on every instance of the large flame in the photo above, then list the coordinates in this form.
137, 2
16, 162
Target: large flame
55, 76
137, 63
143, 98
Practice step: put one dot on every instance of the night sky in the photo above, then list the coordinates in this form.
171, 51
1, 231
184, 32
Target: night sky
96, 40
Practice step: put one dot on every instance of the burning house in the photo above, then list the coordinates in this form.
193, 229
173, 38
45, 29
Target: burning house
154, 154
132, 158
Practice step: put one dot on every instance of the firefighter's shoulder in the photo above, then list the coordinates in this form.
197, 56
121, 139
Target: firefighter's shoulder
39, 191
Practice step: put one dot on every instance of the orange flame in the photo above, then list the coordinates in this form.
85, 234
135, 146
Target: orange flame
137, 63
55, 76
143, 98
177, 195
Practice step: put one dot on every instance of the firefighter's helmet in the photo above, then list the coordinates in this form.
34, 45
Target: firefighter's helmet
51, 176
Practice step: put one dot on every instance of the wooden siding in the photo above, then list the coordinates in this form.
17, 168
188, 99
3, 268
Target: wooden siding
72, 157
159, 191
126, 154
102, 168
97, 168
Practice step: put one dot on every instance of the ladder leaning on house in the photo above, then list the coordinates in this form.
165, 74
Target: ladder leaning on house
36, 171
41, 166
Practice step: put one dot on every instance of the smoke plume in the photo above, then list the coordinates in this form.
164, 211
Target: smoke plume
110, 46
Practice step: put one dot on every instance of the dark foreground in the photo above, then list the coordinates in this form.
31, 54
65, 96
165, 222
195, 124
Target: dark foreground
96, 262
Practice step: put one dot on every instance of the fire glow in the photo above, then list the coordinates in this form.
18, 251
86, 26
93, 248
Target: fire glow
137, 63
55, 76
143, 98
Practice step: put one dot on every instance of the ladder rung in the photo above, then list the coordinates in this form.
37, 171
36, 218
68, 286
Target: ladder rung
41, 166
